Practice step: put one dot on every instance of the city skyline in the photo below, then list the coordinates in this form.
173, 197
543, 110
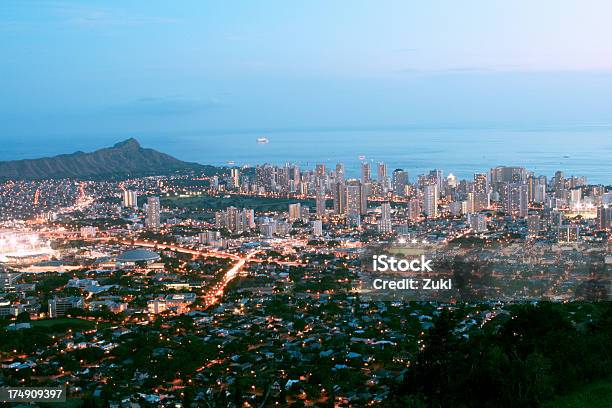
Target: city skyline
327, 204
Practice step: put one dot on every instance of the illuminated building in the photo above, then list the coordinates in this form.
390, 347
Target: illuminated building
430, 200
533, 225
152, 219
295, 211
340, 173
477, 222
384, 223
130, 199
353, 202
604, 217
23, 247
317, 227
568, 233
60, 306
366, 172
235, 177
399, 181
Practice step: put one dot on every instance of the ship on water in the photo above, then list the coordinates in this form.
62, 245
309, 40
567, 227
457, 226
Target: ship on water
262, 140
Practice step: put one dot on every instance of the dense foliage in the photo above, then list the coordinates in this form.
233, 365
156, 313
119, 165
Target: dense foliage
534, 355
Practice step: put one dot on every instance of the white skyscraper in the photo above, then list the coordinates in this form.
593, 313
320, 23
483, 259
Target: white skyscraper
451, 180
317, 228
130, 199
152, 219
430, 200
575, 197
384, 224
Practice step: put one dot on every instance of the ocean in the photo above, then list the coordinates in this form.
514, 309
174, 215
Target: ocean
584, 151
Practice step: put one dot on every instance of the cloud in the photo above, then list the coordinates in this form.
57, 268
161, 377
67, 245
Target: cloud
79, 15
166, 106
484, 69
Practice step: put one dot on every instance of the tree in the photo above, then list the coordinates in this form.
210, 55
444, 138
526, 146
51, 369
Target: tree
23, 317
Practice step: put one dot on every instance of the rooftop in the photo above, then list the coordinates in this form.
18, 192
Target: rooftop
138, 255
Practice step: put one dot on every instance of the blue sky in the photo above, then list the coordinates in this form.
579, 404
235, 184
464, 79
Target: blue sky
87, 68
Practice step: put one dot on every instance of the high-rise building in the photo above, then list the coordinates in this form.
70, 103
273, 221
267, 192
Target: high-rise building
523, 201
339, 195
430, 200
532, 185
481, 184
413, 209
267, 228
320, 171
604, 217
435, 177
506, 174
339, 173
575, 197
558, 183
481, 192
451, 180
481, 201
152, 219
235, 176
400, 179
130, 199
366, 190
295, 174
235, 220
514, 198
384, 223
470, 203
295, 211
353, 202
248, 216
456, 208
381, 173
305, 213
366, 172
539, 195
317, 228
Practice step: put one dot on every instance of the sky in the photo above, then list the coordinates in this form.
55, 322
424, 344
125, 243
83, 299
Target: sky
86, 68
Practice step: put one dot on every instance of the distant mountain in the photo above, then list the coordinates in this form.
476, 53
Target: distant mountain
126, 158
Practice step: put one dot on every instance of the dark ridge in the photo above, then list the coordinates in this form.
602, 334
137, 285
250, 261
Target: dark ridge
124, 159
